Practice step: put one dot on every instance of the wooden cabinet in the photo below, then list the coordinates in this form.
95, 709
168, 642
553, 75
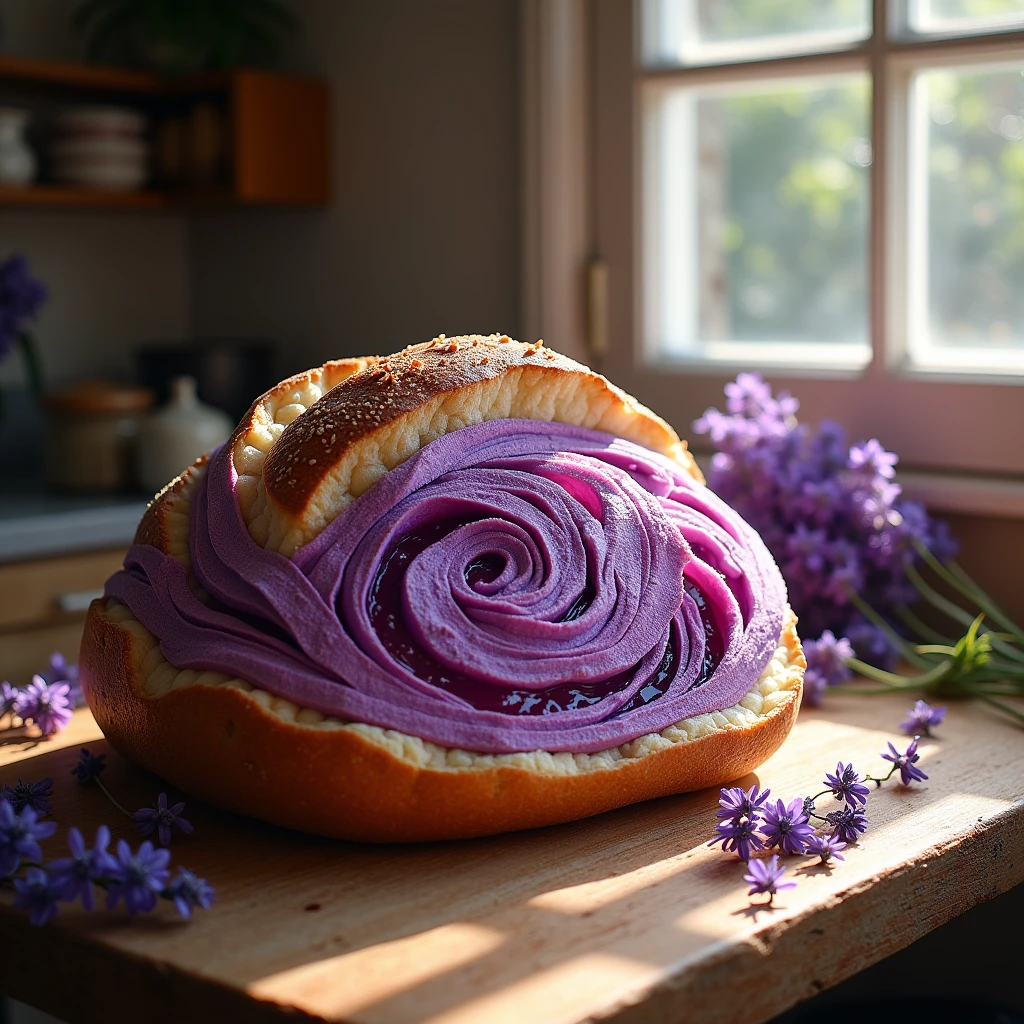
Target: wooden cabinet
42, 608
271, 133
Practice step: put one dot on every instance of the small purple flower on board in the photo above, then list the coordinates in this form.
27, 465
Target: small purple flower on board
921, 719
847, 824
786, 827
765, 876
138, 877
48, 706
19, 837
8, 698
187, 891
36, 893
89, 767
736, 803
825, 847
74, 876
906, 762
162, 819
30, 794
847, 785
740, 836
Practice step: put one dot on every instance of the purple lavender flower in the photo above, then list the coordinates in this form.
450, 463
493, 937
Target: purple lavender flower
906, 762
8, 698
137, 878
20, 833
826, 654
49, 707
825, 847
36, 893
738, 835
63, 671
871, 460
847, 785
30, 794
848, 823
815, 685
765, 876
21, 295
162, 819
73, 876
188, 891
920, 719
786, 827
738, 803
89, 767
830, 514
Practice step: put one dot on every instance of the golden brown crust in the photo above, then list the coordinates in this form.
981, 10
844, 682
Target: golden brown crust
220, 745
315, 443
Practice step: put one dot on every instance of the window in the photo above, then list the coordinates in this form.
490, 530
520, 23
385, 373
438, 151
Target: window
831, 191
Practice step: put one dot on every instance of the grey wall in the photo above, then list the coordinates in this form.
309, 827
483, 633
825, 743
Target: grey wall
115, 277
422, 235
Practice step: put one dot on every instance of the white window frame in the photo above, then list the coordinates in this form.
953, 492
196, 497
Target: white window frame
943, 425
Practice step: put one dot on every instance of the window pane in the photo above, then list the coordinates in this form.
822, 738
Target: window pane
965, 17
756, 222
715, 31
967, 219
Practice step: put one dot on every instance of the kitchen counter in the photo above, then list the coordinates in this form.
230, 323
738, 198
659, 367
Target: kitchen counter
38, 524
626, 917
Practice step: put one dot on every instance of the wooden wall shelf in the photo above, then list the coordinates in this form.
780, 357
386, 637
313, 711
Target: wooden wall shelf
275, 132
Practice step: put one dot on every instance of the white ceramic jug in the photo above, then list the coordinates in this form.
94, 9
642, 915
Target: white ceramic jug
17, 161
177, 434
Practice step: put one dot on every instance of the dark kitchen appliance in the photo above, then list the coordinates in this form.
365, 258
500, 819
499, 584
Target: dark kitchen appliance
229, 373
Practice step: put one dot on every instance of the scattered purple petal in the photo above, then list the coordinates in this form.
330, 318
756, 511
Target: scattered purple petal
20, 833
74, 876
187, 891
907, 763
137, 878
162, 819
848, 823
921, 719
786, 827
825, 847
89, 767
30, 794
847, 785
36, 893
740, 837
47, 706
765, 876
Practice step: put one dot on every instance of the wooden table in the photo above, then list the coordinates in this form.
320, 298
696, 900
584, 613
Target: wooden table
625, 917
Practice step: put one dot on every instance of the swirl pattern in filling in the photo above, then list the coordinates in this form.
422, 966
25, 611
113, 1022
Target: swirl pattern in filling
515, 585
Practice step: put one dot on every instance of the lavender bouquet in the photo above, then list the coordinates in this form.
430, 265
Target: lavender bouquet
21, 297
855, 553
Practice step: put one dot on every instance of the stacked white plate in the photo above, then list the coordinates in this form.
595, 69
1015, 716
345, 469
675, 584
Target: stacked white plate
100, 147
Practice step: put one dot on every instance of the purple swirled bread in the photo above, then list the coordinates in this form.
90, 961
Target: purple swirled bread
468, 588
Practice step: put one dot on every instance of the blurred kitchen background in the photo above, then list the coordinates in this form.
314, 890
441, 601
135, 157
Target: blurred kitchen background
229, 226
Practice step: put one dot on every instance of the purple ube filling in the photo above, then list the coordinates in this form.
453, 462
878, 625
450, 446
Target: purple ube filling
515, 585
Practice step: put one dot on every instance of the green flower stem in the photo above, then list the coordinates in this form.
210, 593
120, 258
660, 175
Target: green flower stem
110, 797
956, 613
909, 651
894, 682
922, 629
880, 782
33, 366
961, 582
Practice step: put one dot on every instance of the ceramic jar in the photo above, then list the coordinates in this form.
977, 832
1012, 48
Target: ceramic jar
17, 161
90, 436
176, 435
